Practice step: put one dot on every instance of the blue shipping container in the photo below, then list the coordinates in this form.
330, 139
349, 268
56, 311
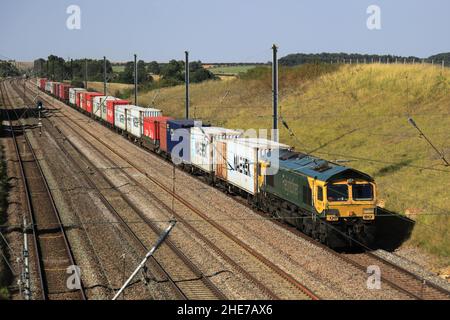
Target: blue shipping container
179, 134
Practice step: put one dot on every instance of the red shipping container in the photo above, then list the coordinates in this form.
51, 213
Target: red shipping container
60, 87
87, 103
151, 127
110, 104
163, 135
64, 91
42, 85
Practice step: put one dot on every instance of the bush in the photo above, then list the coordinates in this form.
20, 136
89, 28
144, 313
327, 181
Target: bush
4, 294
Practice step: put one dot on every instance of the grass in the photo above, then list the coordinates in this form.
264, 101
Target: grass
347, 112
112, 88
235, 70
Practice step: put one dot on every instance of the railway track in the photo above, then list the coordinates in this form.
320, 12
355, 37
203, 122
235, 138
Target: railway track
392, 275
186, 279
399, 278
257, 258
52, 251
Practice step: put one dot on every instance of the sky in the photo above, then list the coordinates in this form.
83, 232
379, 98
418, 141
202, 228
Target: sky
220, 30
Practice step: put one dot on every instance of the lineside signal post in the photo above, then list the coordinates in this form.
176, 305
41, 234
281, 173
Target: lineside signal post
161, 239
39, 108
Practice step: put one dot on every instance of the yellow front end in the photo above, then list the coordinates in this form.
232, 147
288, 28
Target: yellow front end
352, 198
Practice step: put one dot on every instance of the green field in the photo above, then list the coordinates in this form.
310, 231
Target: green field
350, 112
231, 69
118, 69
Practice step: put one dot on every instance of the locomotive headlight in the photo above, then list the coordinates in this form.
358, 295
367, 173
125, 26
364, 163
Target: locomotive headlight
332, 215
369, 214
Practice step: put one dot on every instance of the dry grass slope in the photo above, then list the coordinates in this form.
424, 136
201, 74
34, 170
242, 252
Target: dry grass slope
111, 88
356, 113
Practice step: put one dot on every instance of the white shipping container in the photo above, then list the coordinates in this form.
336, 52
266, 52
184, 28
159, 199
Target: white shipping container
104, 109
135, 118
96, 105
203, 145
244, 154
48, 86
38, 82
119, 117
99, 104
73, 94
134, 125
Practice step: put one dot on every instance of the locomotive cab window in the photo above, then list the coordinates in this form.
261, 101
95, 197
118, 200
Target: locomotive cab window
320, 193
362, 191
337, 192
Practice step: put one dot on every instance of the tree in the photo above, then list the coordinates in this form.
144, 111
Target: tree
57, 68
127, 76
153, 67
173, 71
198, 74
7, 69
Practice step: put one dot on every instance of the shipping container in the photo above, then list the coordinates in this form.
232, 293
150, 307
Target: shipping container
203, 145
220, 160
97, 104
87, 103
243, 156
152, 132
64, 91
82, 103
78, 98
48, 86
120, 113
43, 82
135, 118
73, 95
152, 127
108, 113
178, 138
57, 89
54, 90
163, 126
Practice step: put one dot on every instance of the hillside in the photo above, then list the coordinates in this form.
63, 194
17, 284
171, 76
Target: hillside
111, 88
350, 112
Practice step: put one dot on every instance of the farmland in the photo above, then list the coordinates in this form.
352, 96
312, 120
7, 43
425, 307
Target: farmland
118, 68
235, 70
112, 88
355, 113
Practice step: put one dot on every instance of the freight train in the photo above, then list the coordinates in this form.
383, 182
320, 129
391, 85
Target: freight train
334, 204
